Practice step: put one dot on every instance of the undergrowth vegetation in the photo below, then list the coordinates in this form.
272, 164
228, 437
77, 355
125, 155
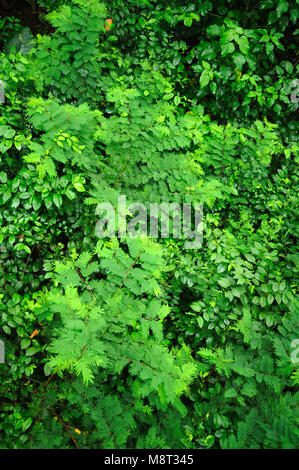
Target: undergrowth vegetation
141, 342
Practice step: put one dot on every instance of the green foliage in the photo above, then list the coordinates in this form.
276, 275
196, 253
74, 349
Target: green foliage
8, 26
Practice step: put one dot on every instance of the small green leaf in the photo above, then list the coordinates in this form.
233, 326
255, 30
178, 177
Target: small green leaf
227, 48
25, 343
243, 44
282, 7
31, 351
26, 424
79, 187
3, 177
